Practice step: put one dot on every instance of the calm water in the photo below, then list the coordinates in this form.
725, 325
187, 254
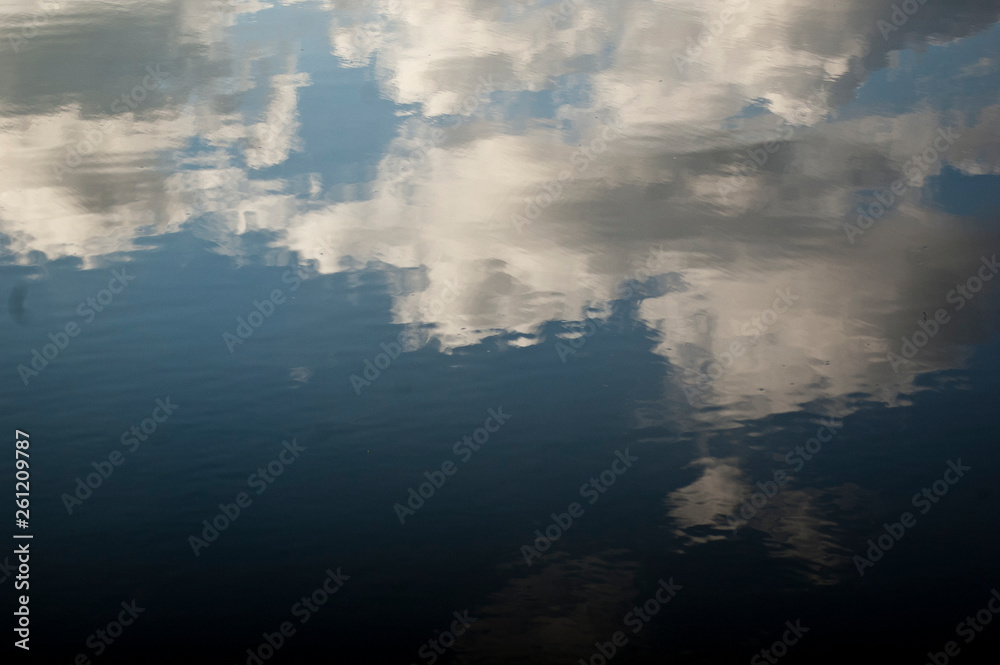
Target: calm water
653, 332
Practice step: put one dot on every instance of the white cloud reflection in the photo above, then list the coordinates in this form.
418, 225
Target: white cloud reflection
686, 132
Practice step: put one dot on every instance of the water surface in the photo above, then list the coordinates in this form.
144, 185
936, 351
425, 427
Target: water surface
722, 275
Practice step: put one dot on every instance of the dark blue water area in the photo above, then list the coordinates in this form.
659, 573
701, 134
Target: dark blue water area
976, 196
162, 337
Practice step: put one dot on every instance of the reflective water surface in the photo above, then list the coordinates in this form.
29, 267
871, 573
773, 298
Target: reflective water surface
527, 310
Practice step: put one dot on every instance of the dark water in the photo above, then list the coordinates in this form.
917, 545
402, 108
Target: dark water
705, 292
